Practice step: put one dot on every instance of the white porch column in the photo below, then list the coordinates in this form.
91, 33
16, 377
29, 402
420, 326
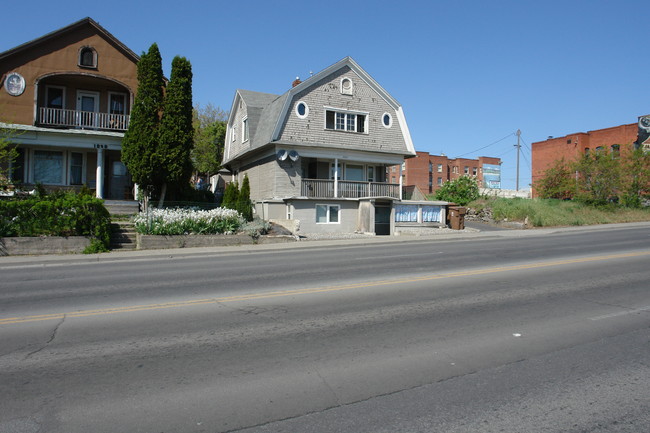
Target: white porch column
336, 177
400, 182
99, 182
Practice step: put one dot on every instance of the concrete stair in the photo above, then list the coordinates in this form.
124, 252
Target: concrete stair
123, 236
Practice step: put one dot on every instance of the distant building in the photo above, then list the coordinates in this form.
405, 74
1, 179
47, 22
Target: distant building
616, 139
429, 172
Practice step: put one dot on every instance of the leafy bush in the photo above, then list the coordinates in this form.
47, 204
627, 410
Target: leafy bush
460, 191
57, 214
187, 221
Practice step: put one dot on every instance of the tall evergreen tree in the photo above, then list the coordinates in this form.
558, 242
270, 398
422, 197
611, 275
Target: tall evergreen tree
244, 206
230, 196
176, 128
141, 138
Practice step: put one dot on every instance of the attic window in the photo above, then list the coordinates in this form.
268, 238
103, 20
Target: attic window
87, 57
346, 86
345, 121
387, 120
302, 110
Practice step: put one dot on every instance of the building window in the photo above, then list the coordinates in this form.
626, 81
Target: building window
48, 167
616, 150
345, 121
439, 181
387, 120
430, 167
327, 213
587, 151
454, 169
55, 97
233, 133
88, 57
17, 167
244, 129
474, 171
466, 170
76, 168
117, 103
406, 213
346, 86
439, 168
302, 110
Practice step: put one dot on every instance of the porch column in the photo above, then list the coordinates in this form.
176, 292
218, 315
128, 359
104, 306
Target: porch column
400, 182
336, 177
99, 182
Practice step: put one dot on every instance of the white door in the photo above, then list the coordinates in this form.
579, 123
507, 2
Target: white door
87, 108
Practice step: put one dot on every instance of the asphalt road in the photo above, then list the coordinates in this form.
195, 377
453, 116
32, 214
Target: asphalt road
508, 331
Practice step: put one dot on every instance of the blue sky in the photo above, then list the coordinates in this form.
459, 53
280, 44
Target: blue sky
467, 73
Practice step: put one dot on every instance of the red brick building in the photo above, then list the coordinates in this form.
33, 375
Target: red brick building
429, 172
570, 147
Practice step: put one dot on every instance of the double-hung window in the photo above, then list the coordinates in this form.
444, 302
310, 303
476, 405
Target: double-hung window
345, 121
327, 213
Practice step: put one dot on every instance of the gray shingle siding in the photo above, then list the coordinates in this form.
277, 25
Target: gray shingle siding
326, 93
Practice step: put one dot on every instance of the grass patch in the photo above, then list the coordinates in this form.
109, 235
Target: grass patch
553, 213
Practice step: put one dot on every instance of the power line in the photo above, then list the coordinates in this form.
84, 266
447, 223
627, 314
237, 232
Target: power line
485, 147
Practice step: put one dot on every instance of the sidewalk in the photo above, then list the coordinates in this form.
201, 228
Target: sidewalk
469, 233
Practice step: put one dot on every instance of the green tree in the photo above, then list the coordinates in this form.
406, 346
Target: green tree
230, 196
635, 178
558, 181
8, 154
141, 138
461, 190
598, 177
244, 205
176, 129
209, 136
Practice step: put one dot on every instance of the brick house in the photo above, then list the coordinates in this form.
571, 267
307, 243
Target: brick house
65, 101
617, 139
429, 172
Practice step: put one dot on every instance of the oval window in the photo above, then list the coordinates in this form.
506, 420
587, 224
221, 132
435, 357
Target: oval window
302, 110
387, 120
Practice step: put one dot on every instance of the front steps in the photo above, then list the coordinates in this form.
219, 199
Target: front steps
123, 236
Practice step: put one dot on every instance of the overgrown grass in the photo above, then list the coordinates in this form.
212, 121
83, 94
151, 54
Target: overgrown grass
549, 212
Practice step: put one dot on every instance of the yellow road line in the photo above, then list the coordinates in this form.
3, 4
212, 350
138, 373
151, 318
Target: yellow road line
307, 291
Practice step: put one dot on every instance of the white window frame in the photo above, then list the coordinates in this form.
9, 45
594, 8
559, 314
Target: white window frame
349, 91
83, 168
302, 116
346, 113
328, 216
244, 130
110, 100
233, 133
439, 168
390, 120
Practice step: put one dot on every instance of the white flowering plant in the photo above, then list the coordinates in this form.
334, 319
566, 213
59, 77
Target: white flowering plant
181, 221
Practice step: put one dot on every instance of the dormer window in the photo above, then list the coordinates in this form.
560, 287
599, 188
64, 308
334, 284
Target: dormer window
88, 57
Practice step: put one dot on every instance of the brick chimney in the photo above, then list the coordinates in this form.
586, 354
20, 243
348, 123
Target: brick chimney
296, 82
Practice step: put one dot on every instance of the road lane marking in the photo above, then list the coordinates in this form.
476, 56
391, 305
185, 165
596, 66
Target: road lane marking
622, 313
314, 290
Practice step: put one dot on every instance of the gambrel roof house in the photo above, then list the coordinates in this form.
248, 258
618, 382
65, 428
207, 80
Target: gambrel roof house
67, 97
316, 156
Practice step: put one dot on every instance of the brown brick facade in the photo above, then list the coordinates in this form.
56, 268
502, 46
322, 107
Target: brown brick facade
429, 172
570, 147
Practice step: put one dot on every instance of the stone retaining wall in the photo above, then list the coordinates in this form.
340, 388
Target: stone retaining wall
20, 246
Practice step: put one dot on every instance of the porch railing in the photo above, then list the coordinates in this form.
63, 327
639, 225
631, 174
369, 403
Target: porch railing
324, 188
83, 119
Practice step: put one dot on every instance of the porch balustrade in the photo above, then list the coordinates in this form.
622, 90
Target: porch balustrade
324, 188
83, 119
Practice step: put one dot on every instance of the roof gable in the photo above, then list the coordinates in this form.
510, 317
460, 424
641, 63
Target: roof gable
74, 27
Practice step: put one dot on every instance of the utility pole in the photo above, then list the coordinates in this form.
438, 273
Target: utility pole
518, 146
